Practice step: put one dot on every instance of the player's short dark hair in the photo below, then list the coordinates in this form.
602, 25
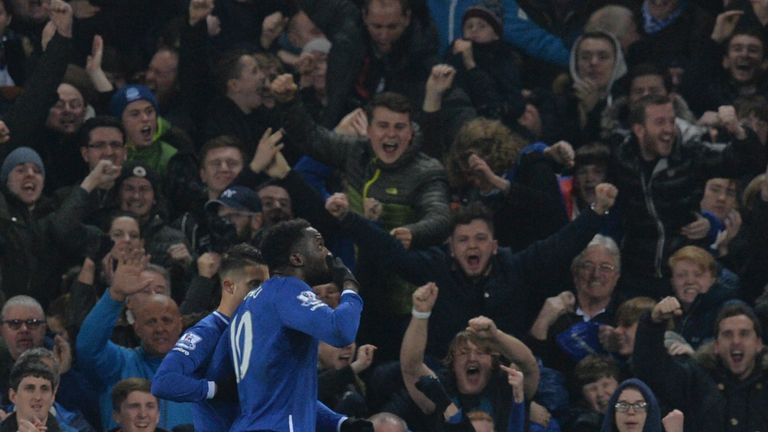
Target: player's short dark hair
221, 141
474, 211
33, 368
240, 256
123, 388
281, 240
84, 134
734, 308
391, 101
637, 110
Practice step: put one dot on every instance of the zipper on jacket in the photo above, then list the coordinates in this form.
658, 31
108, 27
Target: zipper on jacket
370, 182
652, 210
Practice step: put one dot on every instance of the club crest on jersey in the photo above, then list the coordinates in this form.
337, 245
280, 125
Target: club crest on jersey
188, 341
309, 300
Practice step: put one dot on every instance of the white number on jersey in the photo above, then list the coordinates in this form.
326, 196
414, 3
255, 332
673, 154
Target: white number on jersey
241, 339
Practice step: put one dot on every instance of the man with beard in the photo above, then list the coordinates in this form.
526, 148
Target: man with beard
726, 66
239, 206
661, 175
274, 333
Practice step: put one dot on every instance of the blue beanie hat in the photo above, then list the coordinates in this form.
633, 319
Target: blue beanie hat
128, 94
19, 156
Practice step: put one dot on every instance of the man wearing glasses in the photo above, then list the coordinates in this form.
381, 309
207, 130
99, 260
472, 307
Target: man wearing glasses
100, 138
22, 326
566, 329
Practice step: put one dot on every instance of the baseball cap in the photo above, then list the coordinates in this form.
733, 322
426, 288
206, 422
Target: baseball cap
237, 197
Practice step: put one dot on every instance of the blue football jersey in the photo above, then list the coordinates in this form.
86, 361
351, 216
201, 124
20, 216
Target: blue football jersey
273, 337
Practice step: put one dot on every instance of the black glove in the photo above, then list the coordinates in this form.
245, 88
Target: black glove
340, 272
356, 425
434, 390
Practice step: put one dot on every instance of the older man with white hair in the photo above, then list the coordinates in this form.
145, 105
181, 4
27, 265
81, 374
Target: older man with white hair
567, 327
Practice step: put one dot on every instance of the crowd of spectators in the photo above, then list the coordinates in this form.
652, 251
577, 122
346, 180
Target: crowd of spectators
557, 211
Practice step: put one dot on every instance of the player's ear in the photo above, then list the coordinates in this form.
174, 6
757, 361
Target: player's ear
296, 259
228, 285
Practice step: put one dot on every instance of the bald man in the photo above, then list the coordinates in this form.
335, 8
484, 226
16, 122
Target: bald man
157, 324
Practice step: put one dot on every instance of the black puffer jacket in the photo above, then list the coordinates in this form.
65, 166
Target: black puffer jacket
413, 190
656, 201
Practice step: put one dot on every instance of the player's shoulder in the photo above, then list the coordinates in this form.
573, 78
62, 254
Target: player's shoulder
273, 290
283, 284
205, 332
291, 291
